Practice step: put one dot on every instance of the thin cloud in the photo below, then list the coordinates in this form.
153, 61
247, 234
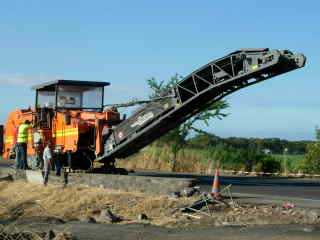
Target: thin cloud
22, 80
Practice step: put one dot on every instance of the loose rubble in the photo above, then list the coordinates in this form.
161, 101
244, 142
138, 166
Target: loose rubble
14, 233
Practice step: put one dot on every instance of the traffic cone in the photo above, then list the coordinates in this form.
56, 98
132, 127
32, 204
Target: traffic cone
216, 185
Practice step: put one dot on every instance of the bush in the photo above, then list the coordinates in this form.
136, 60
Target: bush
312, 158
268, 164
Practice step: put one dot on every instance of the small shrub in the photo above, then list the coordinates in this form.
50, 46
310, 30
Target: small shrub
267, 164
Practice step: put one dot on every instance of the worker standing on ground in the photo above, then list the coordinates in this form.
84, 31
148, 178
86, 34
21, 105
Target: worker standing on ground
22, 144
47, 160
13, 150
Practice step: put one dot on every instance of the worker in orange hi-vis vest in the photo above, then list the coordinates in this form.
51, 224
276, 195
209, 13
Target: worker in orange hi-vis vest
21, 145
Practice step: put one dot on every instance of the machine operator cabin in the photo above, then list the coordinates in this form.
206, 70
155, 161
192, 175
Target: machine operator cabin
67, 94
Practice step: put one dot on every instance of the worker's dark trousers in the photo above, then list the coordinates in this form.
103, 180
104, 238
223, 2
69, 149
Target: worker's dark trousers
58, 166
21, 156
45, 175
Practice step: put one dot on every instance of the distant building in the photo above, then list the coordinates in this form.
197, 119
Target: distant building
266, 151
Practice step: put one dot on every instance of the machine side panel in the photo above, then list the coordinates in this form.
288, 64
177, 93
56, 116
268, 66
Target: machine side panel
64, 134
1, 139
143, 117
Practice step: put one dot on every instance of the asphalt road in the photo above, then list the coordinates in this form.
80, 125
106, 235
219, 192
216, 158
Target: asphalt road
270, 186
114, 231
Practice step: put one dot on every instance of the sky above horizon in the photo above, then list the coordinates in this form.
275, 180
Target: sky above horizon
127, 42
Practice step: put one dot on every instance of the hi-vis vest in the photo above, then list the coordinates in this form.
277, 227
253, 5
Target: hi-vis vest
23, 133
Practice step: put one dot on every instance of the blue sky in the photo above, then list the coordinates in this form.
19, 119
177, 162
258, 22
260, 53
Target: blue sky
126, 42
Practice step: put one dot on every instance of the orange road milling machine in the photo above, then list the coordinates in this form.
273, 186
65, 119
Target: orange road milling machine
83, 131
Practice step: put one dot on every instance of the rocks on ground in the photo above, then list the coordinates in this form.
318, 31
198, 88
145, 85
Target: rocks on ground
227, 213
142, 217
13, 234
186, 192
106, 216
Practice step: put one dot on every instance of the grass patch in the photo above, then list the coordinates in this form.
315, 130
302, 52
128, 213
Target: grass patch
294, 162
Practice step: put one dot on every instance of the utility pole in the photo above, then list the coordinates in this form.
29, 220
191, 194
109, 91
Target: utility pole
285, 165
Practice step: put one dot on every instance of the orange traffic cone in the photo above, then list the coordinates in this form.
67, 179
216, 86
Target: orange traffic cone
216, 185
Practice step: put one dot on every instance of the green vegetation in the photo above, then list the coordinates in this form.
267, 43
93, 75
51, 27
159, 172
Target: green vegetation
204, 159
271, 145
292, 162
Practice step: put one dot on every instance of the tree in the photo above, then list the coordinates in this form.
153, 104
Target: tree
161, 88
312, 158
317, 133
176, 138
